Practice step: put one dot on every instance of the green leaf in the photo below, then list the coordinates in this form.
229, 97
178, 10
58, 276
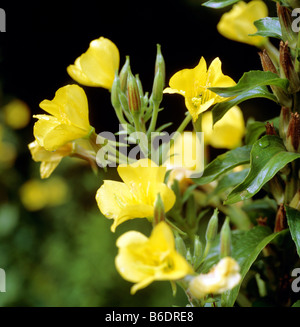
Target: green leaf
219, 3
293, 219
250, 80
246, 246
220, 109
224, 163
268, 156
268, 27
296, 304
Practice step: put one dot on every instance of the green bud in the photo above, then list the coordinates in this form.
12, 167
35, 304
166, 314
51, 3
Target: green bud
198, 251
212, 227
277, 188
133, 94
180, 245
160, 64
115, 90
123, 75
225, 239
284, 120
159, 210
158, 87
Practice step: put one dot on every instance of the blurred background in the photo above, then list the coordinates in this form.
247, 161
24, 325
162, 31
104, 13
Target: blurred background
55, 246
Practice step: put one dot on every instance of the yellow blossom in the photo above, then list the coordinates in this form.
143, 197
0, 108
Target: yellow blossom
49, 159
135, 198
227, 132
222, 277
142, 260
186, 158
237, 24
68, 119
16, 114
98, 65
194, 85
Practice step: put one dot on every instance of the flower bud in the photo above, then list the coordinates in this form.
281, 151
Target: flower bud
158, 86
198, 251
133, 94
212, 227
160, 64
159, 210
286, 21
268, 66
284, 120
123, 75
277, 188
115, 90
287, 68
270, 129
180, 245
280, 221
225, 239
293, 134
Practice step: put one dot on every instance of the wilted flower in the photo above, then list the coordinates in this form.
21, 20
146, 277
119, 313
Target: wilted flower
68, 121
142, 260
194, 85
237, 24
135, 198
227, 132
98, 65
222, 277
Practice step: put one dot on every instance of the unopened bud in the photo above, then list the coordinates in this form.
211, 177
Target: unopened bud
284, 119
293, 134
158, 87
212, 227
180, 245
287, 67
280, 221
286, 23
123, 75
133, 94
198, 251
160, 64
277, 188
225, 239
268, 66
266, 62
159, 210
115, 90
270, 129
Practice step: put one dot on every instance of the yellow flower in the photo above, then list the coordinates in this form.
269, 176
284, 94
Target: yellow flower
16, 114
142, 260
143, 181
98, 65
227, 132
222, 277
49, 159
186, 158
193, 84
237, 24
68, 121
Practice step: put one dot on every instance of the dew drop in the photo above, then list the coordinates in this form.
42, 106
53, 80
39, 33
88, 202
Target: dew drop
264, 144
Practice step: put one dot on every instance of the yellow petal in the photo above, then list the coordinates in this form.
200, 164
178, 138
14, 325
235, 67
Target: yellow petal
98, 65
227, 132
237, 24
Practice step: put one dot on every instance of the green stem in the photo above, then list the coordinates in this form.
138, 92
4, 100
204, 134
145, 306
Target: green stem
153, 118
272, 52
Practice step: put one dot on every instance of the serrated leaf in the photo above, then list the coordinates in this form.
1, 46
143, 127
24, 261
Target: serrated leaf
219, 3
220, 109
268, 156
250, 80
293, 219
224, 163
246, 248
268, 27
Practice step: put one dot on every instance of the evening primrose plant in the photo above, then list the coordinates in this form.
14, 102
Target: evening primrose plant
224, 229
